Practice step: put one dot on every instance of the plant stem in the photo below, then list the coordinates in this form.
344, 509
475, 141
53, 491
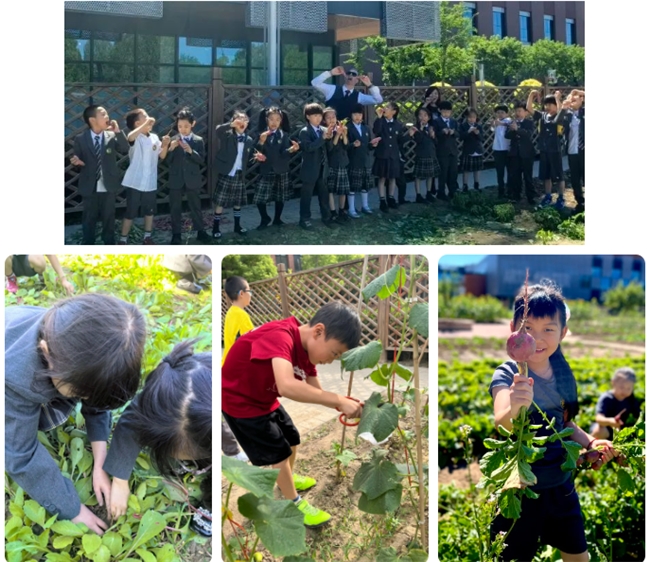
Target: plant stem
257, 539
468, 458
223, 520
226, 548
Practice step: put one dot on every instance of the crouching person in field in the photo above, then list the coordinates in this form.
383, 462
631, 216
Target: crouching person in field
279, 359
172, 419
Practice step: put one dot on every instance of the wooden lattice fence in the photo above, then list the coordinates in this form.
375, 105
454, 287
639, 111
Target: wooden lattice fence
214, 103
302, 294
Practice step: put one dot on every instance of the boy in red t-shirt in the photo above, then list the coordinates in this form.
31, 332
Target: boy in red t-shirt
279, 359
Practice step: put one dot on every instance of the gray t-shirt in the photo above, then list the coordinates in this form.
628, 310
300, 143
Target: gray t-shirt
546, 396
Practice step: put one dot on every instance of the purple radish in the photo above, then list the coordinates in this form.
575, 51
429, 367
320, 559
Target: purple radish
592, 456
521, 346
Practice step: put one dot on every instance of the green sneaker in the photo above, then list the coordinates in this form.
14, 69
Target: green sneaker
303, 483
314, 517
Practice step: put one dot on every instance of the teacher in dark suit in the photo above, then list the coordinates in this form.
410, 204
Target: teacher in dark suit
345, 97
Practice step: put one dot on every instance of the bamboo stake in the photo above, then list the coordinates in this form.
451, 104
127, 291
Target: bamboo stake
363, 282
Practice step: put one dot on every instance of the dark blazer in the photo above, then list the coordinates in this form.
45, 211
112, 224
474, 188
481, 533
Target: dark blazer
112, 175
359, 155
313, 152
521, 140
276, 150
472, 143
391, 142
447, 144
227, 150
184, 168
425, 146
433, 110
337, 154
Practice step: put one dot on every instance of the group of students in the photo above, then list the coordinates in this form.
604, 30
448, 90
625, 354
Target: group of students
89, 349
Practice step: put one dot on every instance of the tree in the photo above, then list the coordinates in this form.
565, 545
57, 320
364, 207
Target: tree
311, 261
502, 59
545, 55
455, 34
625, 299
251, 268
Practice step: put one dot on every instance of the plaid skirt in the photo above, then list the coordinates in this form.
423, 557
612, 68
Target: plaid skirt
426, 168
230, 191
338, 182
471, 163
360, 180
273, 187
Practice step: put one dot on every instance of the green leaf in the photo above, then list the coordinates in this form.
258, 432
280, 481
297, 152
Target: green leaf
379, 418
376, 477
625, 480
76, 452
566, 432
58, 557
20, 497
363, 357
573, 452
151, 525
503, 431
402, 372
16, 510
166, 553
502, 473
346, 457
528, 492
102, 554
494, 443
91, 543
491, 461
142, 491
67, 529
84, 488
50, 522
388, 554
13, 523
134, 504
113, 541
419, 318
279, 524
35, 512
386, 503
386, 284
298, 559
144, 463
146, 555
417, 556
380, 376
62, 542
510, 504
260, 481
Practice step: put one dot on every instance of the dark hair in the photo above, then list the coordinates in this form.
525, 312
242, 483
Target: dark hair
445, 105
550, 99
329, 109
358, 108
430, 90
520, 105
264, 115
185, 114
238, 113
95, 344
132, 116
471, 111
425, 109
501, 107
173, 413
394, 106
341, 323
89, 112
233, 285
312, 109
545, 300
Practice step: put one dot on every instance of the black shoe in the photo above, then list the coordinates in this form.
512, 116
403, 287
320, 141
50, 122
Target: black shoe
420, 199
176, 240
216, 233
431, 196
392, 203
329, 223
465, 188
442, 196
476, 186
383, 206
202, 236
241, 231
189, 286
202, 522
403, 201
278, 222
266, 221
342, 217
306, 225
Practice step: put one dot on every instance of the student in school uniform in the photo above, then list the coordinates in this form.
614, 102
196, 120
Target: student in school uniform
521, 155
359, 147
426, 161
186, 156
100, 178
446, 129
387, 167
314, 169
575, 132
234, 154
471, 133
338, 182
501, 145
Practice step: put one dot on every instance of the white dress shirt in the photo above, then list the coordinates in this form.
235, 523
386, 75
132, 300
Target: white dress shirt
101, 188
500, 140
240, 156
142, 173
574, 134
328, 90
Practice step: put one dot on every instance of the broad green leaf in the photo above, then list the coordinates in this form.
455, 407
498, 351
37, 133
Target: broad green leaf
378, 418
386, 503
35, 512
144, 463
173, 493
376, 477
151, 525
16, 510
86, 462
260, 481
363, 357
20, 497
67, 529
102, 554
125, 531
50, 521
84, 488
142, 491
503, 431
76, 452
58, 557
146, 555
113, 541
387, 555
165, 554
346, 457
625, 480
403, 372
133, 503
419, 318
13, 523
510, 504
386, 284
573, 452
502, 473
530, 493
380, 375
91, 543
278, 523
62, 542
494, 443
417, 556
566, 432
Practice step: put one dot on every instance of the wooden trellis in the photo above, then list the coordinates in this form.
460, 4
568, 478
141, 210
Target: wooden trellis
214, 103
302, 294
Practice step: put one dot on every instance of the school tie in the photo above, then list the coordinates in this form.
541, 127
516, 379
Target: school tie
319, 133
347, 93
98, 155
241, 138
581, 133
187, 139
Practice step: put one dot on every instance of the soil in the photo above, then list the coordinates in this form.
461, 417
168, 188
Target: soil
351, 534
459, 476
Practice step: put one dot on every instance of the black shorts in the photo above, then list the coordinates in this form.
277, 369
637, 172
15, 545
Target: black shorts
143, 201
21, 267
265, 439
554, 518
550, 166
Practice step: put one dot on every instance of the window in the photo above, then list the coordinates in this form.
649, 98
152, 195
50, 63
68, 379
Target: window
498, 22
77, 55
570, 31
470, 13
597, 267
259, 73
194, 60
549, 28
525, 27
155, 58
295, 65
232, 57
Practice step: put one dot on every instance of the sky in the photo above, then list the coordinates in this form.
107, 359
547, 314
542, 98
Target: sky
456, 260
